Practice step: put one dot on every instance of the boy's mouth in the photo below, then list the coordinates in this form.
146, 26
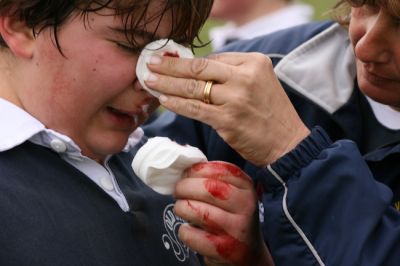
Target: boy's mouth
123, 116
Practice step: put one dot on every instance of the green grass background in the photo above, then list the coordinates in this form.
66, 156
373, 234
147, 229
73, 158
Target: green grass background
321, 8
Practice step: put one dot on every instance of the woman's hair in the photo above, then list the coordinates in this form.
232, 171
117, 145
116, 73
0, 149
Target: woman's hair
188, 16
341, 10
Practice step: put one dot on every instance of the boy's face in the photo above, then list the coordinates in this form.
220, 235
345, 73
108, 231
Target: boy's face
91, 93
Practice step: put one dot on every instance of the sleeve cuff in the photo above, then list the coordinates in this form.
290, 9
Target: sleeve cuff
304, 153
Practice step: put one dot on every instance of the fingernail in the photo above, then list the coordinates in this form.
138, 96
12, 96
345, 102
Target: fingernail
163, 98
150, 77
155, 60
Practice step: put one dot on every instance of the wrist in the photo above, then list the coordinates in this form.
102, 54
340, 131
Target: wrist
286, 144
301, 135
304, 153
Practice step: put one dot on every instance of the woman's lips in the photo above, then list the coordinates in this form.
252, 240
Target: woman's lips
373, 76
371, 72
377, 79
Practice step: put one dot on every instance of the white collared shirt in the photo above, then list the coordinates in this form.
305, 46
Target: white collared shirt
292, 15
18, 126
386, 115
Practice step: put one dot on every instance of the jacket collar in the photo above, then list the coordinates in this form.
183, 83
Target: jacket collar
297, 69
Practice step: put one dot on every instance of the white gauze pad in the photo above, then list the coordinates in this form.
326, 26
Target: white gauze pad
161, 162
163, 47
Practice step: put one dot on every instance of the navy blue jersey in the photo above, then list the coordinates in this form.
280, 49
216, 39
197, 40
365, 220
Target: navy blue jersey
52, 214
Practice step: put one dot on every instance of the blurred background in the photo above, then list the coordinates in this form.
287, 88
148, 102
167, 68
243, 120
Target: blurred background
321, 12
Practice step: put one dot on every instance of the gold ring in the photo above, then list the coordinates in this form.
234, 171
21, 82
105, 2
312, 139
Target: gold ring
207, 92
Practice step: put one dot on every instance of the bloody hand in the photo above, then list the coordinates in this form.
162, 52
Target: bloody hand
220, 204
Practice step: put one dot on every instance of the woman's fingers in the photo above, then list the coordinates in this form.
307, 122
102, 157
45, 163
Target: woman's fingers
197, 68
234, 76
194, 109
187, 88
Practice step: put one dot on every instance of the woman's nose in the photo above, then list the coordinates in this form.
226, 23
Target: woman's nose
374, 45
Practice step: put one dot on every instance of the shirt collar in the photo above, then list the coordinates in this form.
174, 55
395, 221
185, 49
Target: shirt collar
19, 126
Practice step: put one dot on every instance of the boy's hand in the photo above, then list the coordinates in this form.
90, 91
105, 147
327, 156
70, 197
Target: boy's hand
220, 204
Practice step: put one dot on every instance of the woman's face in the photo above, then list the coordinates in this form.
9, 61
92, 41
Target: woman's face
375, 35
90, 93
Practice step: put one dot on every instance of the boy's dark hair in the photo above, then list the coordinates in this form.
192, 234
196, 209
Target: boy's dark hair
188, 16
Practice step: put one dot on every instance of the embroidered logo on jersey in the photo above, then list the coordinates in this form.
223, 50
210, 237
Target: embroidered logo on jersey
171, 240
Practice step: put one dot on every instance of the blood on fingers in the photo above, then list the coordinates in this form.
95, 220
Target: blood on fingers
219, 169
228, 247
218, 188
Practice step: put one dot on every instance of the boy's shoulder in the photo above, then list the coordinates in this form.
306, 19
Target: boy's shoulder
282, 41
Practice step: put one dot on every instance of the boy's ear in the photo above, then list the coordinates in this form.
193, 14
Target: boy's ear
17, 35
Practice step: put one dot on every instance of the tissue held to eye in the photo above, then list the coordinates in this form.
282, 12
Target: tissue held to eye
161, 47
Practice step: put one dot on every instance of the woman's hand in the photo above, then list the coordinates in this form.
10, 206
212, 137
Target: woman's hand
249, 108
219, 202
